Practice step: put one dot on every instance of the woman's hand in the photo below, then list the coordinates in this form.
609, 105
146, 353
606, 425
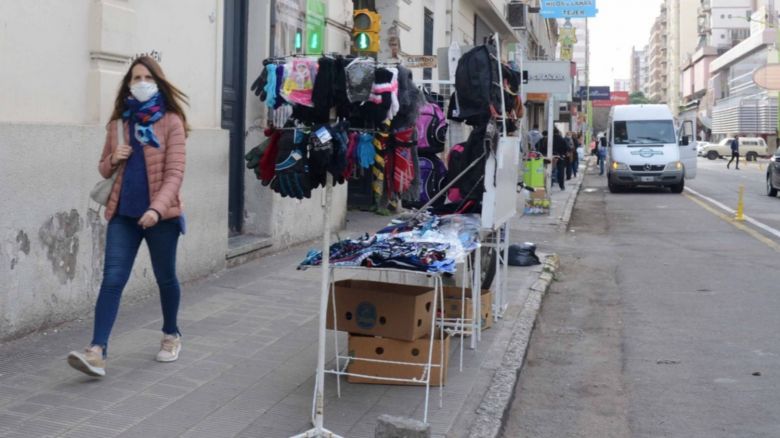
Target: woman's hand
149, 219
121, 153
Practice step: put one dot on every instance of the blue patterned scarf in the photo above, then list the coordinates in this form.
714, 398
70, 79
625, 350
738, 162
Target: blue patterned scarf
134, 195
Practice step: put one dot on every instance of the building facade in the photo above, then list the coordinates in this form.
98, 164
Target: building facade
67, 62
657, 58
639, 70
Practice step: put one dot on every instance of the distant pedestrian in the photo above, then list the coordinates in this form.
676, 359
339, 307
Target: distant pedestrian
560, 149
602, 153
144, 204
575, 163
533, 138
569, 154
734, 152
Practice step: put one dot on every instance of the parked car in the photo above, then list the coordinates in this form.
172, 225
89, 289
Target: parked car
749, 147
773, 175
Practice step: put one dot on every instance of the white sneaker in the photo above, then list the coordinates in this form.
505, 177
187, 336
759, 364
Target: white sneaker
170, 346
90, 362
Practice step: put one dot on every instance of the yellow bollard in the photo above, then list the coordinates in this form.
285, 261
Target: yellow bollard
740, 217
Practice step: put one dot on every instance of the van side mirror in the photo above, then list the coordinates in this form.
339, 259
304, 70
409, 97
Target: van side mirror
685, 140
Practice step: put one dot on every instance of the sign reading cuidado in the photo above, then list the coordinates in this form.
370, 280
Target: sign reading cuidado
420, 61
568, 8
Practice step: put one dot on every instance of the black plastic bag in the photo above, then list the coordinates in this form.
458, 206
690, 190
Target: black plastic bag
523, 255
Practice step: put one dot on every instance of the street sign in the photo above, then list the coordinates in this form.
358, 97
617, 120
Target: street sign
768, 77
419, 61
568, 8
616, 98
548, 77
596, 93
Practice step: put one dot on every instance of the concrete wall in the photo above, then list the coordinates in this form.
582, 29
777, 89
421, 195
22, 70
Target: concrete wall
52, 237
62, 63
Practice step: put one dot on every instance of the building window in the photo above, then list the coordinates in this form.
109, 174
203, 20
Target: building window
481, 31
428, 41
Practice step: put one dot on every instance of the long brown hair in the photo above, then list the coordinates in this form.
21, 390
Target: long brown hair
175, 99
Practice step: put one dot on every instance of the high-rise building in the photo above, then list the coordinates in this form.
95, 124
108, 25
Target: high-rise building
681, 43
639, 70
723, 23
621, 85
657, 58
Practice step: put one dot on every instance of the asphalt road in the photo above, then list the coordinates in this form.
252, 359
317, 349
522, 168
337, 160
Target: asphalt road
715, 181
663, 320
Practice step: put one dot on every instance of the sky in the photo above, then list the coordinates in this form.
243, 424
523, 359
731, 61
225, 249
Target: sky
619, 25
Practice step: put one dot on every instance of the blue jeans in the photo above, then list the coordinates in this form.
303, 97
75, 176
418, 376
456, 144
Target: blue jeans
123, 239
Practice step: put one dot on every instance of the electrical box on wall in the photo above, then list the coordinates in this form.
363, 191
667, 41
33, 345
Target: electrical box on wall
517, 15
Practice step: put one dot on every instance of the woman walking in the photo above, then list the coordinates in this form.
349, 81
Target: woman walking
144, 203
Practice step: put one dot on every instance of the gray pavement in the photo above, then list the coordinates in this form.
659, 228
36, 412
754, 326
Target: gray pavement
248, 361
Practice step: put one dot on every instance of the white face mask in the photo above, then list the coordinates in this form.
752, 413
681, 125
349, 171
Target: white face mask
143, 91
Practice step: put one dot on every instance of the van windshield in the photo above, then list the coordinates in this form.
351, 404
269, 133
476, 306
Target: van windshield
644, 132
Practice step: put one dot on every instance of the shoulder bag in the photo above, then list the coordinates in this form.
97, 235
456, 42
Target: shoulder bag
102, 189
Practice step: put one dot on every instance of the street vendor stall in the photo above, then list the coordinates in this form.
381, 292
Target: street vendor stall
378, 129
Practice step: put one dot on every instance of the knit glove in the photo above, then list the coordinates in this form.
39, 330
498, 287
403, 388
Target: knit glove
292, 177
320, 155
365, 150
268, 158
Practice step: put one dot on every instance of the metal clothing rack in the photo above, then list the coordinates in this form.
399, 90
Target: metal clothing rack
318, 406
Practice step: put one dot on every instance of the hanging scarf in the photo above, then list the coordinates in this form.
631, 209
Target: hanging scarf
134, 195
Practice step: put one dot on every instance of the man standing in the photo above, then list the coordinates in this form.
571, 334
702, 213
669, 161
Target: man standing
533, 138
734, 151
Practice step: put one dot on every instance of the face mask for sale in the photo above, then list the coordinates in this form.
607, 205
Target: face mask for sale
143, 91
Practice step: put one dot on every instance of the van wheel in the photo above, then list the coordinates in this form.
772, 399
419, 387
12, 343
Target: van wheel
712, 155
613, 188
678, 188
770, 191
751, 156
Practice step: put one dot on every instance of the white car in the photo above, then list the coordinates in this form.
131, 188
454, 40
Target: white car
749, 147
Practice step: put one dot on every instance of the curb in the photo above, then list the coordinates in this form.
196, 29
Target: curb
495, 405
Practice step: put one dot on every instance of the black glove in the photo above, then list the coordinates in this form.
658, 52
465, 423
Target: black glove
320, 154
292, 174
258, 86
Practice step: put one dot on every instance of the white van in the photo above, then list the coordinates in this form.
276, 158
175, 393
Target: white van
647, 149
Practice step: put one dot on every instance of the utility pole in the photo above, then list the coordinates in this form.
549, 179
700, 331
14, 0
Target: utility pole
588, 106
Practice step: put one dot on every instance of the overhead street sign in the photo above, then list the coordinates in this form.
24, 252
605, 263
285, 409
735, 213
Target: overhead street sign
568, 8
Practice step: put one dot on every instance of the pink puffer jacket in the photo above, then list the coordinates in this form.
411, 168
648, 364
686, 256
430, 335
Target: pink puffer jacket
164, 166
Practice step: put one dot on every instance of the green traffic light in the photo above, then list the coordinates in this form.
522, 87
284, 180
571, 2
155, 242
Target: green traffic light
363, 41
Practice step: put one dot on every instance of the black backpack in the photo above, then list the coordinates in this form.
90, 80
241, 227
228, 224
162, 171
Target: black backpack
476, 85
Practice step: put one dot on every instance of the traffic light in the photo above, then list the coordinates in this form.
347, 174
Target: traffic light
365, 31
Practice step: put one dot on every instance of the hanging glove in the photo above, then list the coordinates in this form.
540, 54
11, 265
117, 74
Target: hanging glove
253, 157
365, 150
320, 155
351, 155
292, 177
338, 161
270, 86
268, 159
258, 86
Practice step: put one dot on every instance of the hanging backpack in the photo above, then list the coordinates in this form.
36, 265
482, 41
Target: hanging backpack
431, 129
433, 172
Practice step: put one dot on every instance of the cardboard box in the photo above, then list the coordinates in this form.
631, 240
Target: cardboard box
453, 305
395, 311
370, 347
539, 193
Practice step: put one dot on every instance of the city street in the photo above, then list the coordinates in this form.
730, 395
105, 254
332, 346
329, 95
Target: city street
663, 321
